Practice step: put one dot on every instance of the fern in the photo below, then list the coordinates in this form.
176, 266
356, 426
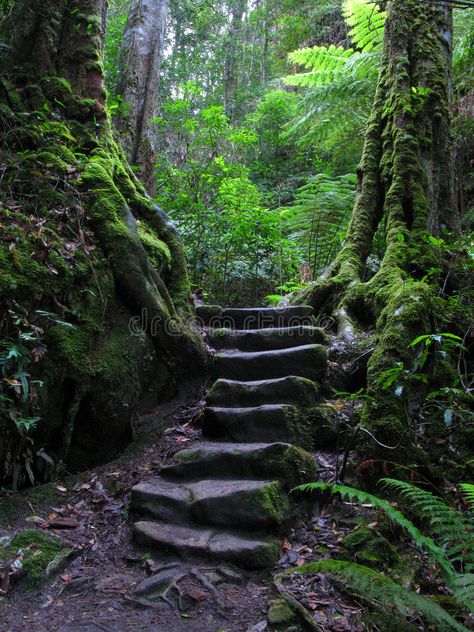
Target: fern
427, 544
318, 217
367, 22
384, 592
449, 545
468, 493
340, 82
325, 63
448, 526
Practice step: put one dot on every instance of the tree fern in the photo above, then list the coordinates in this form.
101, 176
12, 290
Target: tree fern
340, 82
318, 217
367, 22
383, 592
325, 64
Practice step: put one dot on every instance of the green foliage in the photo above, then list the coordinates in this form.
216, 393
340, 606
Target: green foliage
382, 592
463, 51
318, 217
231, 238
449, 546
340, 81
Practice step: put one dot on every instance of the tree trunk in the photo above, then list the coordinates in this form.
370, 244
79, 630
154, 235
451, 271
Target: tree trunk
86, 247
230, 69
405, 189
143, 53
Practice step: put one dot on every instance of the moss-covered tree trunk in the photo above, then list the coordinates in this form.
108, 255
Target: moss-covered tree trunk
93, 279
405, 194
143, 44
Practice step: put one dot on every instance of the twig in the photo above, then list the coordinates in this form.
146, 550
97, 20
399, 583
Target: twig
382, 445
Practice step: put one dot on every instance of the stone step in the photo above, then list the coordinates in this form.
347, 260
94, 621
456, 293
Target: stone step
208, 543
255, 504
254, 318
281, 461
309, 361
271, 422
266, 339
291, 389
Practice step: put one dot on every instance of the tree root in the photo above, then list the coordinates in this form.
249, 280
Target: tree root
295, 605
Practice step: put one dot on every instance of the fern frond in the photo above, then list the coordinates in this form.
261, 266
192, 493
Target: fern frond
367, 22
449, 526
318, 215
324, 63
468, 490
384, 592
427, 544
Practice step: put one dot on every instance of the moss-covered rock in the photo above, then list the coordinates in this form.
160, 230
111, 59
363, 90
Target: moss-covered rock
365, 546
39, 554
280, 613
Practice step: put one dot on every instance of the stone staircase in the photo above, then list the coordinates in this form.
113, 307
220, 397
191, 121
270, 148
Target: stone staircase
226, 498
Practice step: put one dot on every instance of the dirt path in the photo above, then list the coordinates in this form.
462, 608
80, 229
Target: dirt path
92, 590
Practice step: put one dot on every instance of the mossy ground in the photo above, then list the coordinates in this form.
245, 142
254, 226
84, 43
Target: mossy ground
41, 554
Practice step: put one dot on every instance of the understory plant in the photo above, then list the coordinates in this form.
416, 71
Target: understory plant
447, 539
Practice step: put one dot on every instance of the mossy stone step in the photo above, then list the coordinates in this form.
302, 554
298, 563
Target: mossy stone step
267, 339
291, 389
309, 361
253, 504
254, 318
272, 422
217, 545
282, 461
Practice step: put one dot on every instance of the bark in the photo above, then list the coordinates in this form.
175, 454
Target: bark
405, 188
231, 60
143, 53
87, 246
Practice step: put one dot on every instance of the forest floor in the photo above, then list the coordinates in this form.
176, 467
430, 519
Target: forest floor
95, 587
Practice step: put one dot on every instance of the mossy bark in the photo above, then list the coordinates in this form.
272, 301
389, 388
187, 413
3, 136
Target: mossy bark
405, 190
84, 242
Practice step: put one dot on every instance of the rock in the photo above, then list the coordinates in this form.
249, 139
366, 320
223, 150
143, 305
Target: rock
280, 461
254, 318
366, 546
275, 422
267, 339
186, 541
230, 575
280, 613
291, 389
259, 627
220, 502
309, 361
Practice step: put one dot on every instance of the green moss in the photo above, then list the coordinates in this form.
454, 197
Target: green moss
280, 613
365, 546
296, 465
299, 427
158, 251
265, 557
273, 501
42, 554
